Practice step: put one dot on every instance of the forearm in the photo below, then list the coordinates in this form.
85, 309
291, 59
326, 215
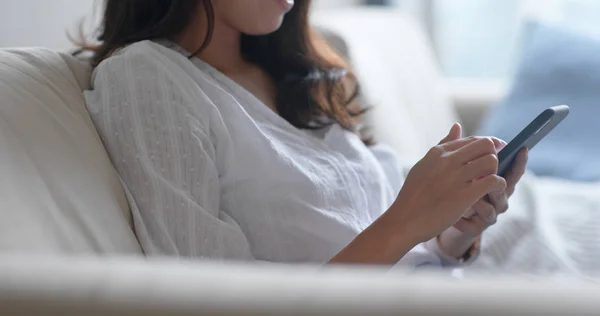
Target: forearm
384, 242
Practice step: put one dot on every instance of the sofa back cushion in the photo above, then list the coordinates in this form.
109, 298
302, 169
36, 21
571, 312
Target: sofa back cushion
58, 190
398, 73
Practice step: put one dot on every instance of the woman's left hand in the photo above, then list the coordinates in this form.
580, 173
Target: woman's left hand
457, 240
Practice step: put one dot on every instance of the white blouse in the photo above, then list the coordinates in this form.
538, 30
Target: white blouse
211, 172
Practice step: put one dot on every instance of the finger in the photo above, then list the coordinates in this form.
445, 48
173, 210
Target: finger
485, 211
499, 144
516, 171
454, 134
474, 226
488, 184
480, 147
459, 143
499, 200
465, 225
469, 213
481, 167
482, 224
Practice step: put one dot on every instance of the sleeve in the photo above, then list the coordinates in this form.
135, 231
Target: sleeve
391, 165
449, 261
427, 254
165, 158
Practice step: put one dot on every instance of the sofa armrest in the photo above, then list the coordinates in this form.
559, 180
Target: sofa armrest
127, 287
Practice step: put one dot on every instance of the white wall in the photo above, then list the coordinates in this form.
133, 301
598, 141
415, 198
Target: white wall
40, 22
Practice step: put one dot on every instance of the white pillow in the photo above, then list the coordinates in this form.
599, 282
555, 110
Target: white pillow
58, 190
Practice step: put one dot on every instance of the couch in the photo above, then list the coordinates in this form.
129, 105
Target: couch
66, 239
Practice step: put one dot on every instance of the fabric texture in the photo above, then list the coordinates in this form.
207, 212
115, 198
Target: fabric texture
551, 228
557, 67
212, 172
58, 190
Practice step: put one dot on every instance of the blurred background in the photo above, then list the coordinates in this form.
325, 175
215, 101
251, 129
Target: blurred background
473, 39
502, 62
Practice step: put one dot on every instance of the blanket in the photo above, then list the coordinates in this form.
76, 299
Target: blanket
552, 227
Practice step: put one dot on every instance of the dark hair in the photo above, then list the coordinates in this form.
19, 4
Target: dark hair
315, 87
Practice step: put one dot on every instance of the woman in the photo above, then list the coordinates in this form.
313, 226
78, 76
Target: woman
234, 129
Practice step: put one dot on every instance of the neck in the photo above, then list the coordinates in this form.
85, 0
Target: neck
223, 52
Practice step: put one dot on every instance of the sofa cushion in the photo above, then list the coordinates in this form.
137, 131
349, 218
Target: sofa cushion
558, 66
399, 76
58, 190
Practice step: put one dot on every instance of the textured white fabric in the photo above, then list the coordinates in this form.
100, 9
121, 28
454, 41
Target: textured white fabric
215, 173
551, 227
58, 191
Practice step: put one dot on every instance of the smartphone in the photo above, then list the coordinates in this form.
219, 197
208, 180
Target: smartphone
531, 135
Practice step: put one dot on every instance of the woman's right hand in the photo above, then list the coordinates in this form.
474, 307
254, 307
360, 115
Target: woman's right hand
438, 190
442, 186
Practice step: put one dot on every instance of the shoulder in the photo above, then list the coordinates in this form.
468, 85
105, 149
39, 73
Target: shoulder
143, 57
150, 69
152, 78
154, 66
140, 77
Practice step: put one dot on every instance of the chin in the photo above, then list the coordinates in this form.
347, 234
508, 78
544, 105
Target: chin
264, 28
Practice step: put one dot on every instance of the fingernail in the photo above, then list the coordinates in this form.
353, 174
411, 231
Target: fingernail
491, 219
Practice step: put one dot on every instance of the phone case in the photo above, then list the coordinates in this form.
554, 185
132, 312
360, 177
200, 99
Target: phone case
531, 135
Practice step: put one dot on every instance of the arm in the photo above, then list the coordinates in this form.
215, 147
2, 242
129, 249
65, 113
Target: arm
166, 159
433, 252
165, 154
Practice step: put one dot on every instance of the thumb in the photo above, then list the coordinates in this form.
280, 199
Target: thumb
454, 134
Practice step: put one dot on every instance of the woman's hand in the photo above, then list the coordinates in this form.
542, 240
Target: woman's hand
457, 240
441, 187
437, 192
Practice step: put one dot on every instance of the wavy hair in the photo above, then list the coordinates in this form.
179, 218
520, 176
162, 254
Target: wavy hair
314, 86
